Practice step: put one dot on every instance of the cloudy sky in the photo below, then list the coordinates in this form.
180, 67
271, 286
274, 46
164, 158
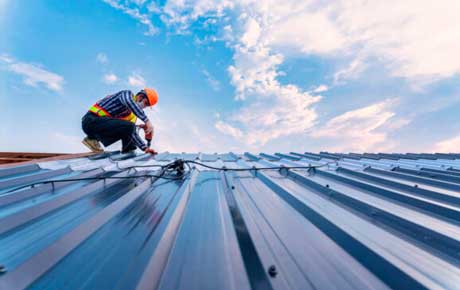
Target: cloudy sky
240, 75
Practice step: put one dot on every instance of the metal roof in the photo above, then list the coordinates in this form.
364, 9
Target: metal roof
358, 221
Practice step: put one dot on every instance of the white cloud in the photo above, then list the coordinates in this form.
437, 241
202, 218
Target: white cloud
6, 58
298, 27
321, 89
254, 71
352, 71
228, 129
181, 13
102, 58
136, 14
136, 80
451, 145
139, 2
154, 8
215, 84
110, 78
397, 36
277, 116
360, 129
396, 123
271, 110
33, 74
413, 39
252, 33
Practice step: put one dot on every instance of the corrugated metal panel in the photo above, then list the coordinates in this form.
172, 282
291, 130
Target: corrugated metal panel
355, 221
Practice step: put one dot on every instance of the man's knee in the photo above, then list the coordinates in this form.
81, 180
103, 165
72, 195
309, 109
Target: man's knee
128, 127
123, 129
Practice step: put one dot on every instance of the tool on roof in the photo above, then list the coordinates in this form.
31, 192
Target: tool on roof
148, 135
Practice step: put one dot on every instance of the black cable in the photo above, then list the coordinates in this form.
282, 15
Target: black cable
260, 168
175, 166
165, 168
187, 162
142, 166
94, 178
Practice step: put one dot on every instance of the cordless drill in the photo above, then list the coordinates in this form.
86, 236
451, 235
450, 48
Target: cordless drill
148, 136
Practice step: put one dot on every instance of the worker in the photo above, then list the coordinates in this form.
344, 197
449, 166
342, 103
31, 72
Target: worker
114, 118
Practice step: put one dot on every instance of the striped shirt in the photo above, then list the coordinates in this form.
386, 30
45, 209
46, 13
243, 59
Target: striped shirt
122, 104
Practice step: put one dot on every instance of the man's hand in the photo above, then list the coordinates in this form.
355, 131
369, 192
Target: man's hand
148, 128
151, 151
144, 127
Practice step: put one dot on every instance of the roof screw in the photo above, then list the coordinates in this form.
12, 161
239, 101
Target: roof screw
2, 269
272, 271
233, 187
327, 185
416, 185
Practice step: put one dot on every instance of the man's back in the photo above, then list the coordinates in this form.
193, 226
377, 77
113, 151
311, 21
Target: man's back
121, 104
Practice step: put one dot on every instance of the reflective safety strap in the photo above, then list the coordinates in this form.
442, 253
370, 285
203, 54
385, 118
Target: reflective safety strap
99, 111
96, 109
131, 117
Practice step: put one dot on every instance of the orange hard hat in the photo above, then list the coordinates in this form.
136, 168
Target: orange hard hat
152, 96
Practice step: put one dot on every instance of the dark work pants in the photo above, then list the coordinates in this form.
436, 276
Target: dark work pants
109, 130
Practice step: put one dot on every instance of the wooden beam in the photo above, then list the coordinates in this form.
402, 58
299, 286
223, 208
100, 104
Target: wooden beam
44, 157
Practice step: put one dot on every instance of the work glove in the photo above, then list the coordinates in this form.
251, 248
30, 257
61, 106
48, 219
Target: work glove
151, 151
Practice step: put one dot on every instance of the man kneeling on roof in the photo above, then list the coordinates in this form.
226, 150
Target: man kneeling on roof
114, 118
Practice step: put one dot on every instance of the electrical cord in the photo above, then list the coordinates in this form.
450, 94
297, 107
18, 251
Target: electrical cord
259, 168
95, 178
176, 166
187, 162
165, 168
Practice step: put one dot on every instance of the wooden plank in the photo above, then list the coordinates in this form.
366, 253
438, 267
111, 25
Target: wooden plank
53, 158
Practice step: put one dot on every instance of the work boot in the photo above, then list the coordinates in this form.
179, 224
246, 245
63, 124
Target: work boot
92, 144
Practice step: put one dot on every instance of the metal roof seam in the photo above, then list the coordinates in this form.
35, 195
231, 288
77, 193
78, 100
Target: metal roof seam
370, 220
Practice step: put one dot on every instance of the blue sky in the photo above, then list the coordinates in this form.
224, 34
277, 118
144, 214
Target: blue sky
344, 75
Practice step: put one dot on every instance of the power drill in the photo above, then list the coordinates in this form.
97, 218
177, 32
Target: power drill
148, 136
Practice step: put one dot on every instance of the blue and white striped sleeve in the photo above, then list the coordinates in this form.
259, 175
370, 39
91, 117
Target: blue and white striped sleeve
138, 141
127, 100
